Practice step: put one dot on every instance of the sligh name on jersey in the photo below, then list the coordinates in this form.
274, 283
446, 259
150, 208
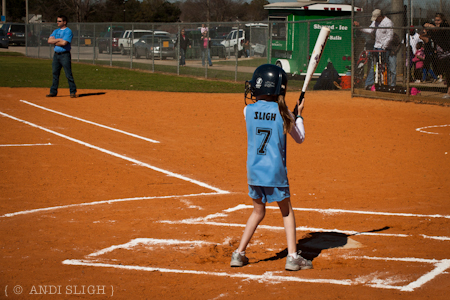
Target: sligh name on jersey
265, 116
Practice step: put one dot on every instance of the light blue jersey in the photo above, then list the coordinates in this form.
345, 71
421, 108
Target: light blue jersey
266, 145
65, 34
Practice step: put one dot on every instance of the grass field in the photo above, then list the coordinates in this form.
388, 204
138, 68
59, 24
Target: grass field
22, 73
29, 72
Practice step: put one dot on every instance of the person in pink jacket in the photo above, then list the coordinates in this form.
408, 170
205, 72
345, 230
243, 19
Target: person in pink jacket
419, 59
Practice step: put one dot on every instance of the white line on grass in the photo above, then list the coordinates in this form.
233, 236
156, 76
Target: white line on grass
137, 162
90, 122
25, 145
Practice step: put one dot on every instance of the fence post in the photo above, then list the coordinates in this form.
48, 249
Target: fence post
236, 52
131, 46
110, 45
153, 48
269, 47
95, 41
178, 49
78, 30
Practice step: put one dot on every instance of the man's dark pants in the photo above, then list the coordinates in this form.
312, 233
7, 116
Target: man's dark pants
63, 60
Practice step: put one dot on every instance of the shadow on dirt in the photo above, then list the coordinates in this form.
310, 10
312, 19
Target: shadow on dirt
312, 244
90, 94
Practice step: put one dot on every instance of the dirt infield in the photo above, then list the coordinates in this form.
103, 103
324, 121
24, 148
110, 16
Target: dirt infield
143, 195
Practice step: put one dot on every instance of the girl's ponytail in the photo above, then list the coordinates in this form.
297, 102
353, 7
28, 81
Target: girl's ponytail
288, 120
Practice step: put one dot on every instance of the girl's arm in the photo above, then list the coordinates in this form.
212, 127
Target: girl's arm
298, 130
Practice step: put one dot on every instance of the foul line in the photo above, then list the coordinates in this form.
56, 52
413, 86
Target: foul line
25, 212
90, 122
25, 145
137, 162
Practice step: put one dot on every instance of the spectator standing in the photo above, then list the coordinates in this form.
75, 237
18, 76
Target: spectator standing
382, 28
430, 56
205, 45
247, 48
441, 39
418, 60
62, 39
184, 44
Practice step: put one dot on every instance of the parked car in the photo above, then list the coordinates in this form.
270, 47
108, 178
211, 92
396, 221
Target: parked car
234, 42
159, 46
85, 38
44, 34
4, 41
15, 33
130, 37
105, 43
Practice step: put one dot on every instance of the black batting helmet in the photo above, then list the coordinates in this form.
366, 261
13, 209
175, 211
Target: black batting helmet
268, 80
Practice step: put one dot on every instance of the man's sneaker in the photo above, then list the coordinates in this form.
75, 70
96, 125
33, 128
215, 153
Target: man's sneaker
238, 260
73, 95
51, 95
299, 263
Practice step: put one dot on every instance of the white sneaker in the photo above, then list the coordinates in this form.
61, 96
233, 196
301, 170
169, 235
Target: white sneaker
238, 260
299, 263
417, 81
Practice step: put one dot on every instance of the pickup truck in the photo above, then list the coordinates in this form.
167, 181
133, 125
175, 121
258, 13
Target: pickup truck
130, 37
234, 42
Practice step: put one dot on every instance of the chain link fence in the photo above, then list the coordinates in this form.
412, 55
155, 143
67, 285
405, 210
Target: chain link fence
235, 49
392, 60
390, 69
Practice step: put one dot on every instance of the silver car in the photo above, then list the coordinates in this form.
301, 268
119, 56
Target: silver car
159, 46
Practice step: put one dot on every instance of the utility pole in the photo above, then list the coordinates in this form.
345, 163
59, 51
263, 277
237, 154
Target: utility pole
3, 11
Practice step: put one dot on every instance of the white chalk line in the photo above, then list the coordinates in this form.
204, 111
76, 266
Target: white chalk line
46, 209
90, 122
421, 129
25, 145
343, 211
266, 277
147, 241
137, 162
440, 267
207, 221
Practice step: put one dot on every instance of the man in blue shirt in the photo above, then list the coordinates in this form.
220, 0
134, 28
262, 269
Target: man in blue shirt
62, 39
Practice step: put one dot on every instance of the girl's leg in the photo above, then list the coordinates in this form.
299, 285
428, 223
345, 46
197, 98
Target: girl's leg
289, 224
259, 211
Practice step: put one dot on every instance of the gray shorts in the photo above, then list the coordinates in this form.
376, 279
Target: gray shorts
268, 194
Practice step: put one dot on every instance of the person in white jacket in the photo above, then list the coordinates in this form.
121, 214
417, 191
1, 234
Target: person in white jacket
381, 27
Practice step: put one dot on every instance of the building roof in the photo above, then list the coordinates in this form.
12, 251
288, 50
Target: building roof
311, 5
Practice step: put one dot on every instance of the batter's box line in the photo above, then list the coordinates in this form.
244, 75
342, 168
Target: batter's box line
207, 221
440, 266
